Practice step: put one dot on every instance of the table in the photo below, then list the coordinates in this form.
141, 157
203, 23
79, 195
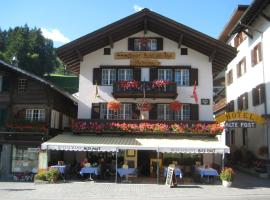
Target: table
177, 172
89, 170
207, 172
125, 172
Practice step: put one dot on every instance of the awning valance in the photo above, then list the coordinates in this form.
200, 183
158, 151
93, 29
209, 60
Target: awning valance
71, 142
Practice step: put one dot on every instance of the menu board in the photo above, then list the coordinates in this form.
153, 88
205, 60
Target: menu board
169, 176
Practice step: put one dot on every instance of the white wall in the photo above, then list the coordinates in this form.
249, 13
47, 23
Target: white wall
193, 59
254, 76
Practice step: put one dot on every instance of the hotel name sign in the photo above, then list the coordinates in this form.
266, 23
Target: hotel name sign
144, 58
240, 119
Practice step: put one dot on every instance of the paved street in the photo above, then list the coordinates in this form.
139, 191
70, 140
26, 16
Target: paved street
245, 187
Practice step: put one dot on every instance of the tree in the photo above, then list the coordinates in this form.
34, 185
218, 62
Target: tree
33, 52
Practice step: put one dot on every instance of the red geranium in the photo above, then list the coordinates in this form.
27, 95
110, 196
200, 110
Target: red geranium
145, 106
175, 106
160, 83
114, 105
129, 84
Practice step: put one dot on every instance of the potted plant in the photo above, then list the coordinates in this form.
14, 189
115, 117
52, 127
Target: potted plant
227, 175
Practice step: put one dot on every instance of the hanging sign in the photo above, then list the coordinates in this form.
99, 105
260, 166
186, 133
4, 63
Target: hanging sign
240, 124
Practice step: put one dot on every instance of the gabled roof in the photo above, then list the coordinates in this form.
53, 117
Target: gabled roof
219, 52
238, 12
41, 80
254, 10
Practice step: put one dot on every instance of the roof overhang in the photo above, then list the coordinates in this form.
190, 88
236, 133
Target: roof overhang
219, 53
71, 142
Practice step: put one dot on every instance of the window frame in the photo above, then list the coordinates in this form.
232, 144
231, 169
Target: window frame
241, 67
138, 46
107, 114
230, 77
41, 115
126, 74
111, 76
165, 74
22, 85
256, 54
183, 78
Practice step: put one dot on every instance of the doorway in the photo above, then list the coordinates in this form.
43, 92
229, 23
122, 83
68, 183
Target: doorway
144, 161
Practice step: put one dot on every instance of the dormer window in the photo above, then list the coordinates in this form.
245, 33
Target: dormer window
145, 44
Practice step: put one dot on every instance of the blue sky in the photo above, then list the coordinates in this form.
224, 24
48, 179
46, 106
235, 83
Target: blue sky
66, 20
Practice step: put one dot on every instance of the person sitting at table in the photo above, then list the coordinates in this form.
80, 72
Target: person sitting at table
84, 162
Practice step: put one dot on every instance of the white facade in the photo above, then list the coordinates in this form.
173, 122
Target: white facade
254, 76
87, 88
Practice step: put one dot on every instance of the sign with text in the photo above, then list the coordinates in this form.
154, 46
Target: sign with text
205, 101
240, 124
63, 147
169, 177
144, 62
144, 55
240, 116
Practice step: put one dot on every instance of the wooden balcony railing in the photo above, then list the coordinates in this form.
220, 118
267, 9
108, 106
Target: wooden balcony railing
208, 128
26, 126
121, 89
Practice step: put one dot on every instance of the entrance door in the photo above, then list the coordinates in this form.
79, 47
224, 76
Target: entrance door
144, 161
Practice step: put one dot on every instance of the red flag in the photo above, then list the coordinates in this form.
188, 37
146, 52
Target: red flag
195, 92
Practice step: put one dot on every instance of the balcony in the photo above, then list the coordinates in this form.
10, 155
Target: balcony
147, 89
18, 125
146, 127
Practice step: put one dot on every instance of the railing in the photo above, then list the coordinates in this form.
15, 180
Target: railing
137, 89
147, 127
26, 126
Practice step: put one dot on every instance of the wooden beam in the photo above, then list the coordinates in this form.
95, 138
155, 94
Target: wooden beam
80, 56
212, 56
248, 34
145, 27
180, 40
265, 16
111, 41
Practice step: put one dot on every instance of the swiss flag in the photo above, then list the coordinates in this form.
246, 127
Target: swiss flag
195, 92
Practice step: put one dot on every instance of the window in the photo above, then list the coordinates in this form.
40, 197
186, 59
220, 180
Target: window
22, 85
258, 95
182, 77
230, 106
183, 114
165, 74
125, 112
3, 116
239, 38
24, 159
125, 74
256, 54
65, 121
35, 115
164, 112
184, 51
230, 77
108, 76
245, 136
145, 44
107, 51
241, 68
243, 102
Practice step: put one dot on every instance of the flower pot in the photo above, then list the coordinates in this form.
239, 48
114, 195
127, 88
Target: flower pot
226, 183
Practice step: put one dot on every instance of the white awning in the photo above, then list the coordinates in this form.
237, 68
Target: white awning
71, 142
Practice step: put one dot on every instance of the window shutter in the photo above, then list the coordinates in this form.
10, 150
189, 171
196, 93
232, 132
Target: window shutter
135, 112
246, 100
95, 111
194, 112
131, 44
153, 112
238, 70
260, 51
193, 76
232, 106
262, 86
254, 97
97, 76
239, 103
159, 44
137, 74
153, 74
5, 84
